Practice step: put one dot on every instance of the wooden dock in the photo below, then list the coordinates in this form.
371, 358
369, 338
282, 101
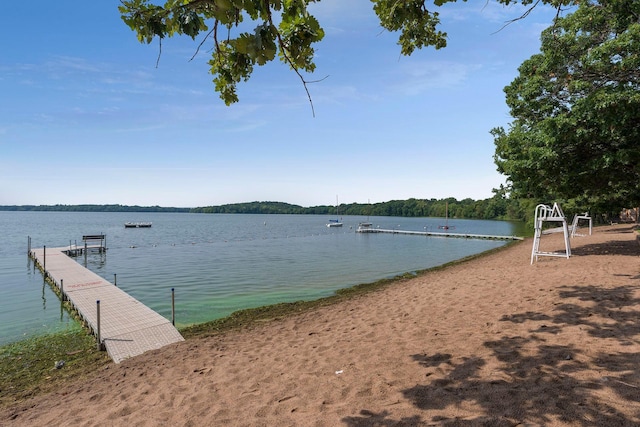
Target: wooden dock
125, 327
438, 234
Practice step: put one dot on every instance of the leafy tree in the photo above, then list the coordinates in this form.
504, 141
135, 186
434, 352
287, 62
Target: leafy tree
283, 28
576, 106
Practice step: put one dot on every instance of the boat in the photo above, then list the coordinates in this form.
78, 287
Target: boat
137, 224
446, 225
365, 225
335, 222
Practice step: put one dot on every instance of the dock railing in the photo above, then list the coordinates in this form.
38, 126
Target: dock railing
102, 238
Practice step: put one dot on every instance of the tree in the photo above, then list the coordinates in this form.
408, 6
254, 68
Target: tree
282, 27
576, 107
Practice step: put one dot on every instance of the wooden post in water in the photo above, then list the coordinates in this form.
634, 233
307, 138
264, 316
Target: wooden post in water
115, 279
44, 262
99, 343
29, 245
62, 290
173, 307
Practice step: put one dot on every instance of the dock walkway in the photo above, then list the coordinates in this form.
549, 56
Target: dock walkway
439, 234
127, 327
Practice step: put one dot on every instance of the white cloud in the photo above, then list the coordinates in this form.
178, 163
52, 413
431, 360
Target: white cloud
418, 77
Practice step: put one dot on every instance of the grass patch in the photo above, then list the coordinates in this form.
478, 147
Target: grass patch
28, 367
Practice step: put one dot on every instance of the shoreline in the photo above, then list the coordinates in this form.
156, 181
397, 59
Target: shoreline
488, 340
250, 316
307, 265
57, 342
342, 293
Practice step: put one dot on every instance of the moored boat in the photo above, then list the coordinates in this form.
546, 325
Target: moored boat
446, 225
137, 224
335, 222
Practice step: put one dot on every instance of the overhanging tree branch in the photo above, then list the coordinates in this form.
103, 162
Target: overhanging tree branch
233, 59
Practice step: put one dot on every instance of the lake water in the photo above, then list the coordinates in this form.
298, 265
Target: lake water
217, 263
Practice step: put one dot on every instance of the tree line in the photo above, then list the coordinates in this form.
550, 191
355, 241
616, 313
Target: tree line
90, 208
494, 208
498, 207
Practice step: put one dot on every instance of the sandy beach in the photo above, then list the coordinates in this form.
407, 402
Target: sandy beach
493, 341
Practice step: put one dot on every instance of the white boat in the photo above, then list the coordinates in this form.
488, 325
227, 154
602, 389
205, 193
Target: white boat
446, 225
335, 222
137, 224
365, 225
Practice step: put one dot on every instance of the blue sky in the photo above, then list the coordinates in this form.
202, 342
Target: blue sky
86, 117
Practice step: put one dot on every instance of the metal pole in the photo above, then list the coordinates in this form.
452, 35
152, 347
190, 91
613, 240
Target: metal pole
99, 343
173, 307
115, 281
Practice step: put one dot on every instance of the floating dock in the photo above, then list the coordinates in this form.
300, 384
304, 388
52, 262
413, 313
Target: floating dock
123, 325
438, 234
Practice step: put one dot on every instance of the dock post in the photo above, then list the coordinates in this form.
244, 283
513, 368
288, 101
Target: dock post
44, 262
62, 290
99, 343
115, 281
29, 245
173, 307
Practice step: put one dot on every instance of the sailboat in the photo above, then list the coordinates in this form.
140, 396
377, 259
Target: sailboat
366, 225
446, 225
335, 222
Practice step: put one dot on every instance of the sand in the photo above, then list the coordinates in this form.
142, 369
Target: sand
493, 341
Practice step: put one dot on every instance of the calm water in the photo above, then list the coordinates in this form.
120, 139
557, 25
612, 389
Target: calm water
216, 263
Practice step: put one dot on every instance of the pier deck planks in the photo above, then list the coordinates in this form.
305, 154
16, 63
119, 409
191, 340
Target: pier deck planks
439, 234
127, 327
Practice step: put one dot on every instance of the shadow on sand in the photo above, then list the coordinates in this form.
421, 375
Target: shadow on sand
538, 383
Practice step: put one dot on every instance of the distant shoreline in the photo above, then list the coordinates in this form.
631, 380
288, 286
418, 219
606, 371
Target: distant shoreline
89, 208
491, 209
